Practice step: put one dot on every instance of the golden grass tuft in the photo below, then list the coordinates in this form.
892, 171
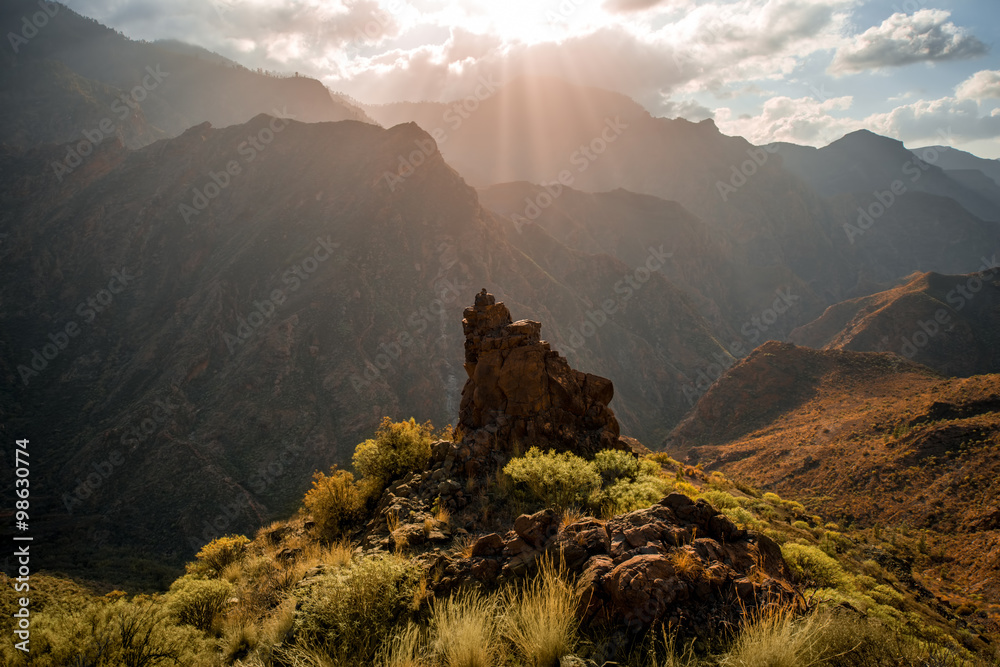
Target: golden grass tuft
465, 632
686, 564
541, 619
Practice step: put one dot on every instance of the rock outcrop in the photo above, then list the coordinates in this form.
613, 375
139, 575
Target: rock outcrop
678, 562
522, 393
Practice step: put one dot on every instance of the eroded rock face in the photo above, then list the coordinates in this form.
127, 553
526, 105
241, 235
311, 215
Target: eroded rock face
524, 393
678, 562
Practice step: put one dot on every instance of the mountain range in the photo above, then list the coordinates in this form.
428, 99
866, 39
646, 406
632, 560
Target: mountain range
216, 280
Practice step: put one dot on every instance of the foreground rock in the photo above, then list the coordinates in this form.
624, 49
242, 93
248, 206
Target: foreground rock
679, 562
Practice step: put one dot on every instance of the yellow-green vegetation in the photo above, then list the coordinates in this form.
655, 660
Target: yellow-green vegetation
612, 483
337, 501
396, 449
293, 597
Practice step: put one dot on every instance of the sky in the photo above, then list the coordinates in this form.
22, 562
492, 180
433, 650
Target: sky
805, 71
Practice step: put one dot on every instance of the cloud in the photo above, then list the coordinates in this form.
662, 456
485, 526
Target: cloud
982, 85
688, 109
945, 121
924, 36
803, 120
809, 121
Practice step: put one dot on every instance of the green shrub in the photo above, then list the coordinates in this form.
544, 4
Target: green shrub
197, 601
335, 501
835, 543
720, 499
111, 633
801, 525
557, 480
398, 448
628, 495
350, 613
220, 552
741, 517
614, 465
810, 564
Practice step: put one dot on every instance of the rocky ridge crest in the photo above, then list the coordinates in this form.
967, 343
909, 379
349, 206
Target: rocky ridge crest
677, 562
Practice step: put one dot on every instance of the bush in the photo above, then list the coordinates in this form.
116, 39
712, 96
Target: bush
626, 496
614, 465
398, 448
111, 633
810, 564
720, 500
557, 480
349, 614
335, 501
220, 552
198, 601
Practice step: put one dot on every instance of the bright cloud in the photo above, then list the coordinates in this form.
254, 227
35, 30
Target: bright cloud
980, 86
802, 121
903, 39
753, 59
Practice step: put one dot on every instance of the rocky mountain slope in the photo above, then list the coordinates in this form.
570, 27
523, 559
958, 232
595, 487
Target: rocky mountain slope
870, 439
784, 209
75, 74
864, 162
949, 323
212, 317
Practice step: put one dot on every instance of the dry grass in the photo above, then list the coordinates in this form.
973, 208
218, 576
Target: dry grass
464, 631
571, 515
443, 516
775, 637
541, 619
404, 650
686, 564
463, 545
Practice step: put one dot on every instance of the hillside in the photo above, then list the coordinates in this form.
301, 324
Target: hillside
232, 319
460, 547
864, 162
948, 323
777, 210
873, 441
173, 87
